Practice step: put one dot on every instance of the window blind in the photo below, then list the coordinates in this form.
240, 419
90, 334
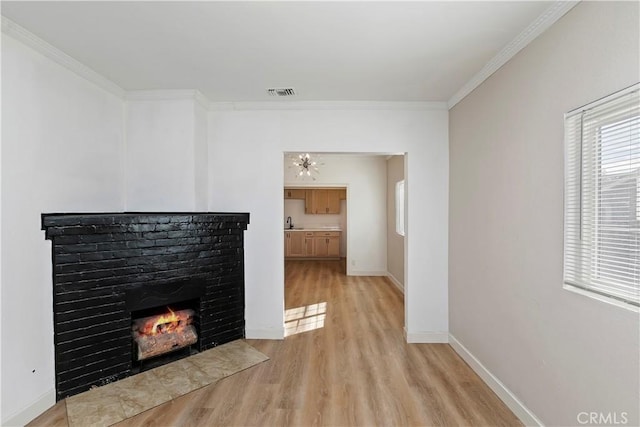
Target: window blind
602, 197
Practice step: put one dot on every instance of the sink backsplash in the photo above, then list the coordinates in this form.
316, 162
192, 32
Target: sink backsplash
295, 209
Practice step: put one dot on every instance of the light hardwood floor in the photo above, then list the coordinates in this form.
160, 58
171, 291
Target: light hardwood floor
355, 370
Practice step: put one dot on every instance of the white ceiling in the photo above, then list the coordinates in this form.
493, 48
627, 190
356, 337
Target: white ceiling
328, 51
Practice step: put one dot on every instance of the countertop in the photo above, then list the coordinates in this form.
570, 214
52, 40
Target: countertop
312, 228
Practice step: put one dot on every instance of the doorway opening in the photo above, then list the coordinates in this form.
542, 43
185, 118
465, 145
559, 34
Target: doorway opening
340, 221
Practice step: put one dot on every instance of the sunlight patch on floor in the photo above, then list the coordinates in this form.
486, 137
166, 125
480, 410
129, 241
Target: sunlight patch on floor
304, 319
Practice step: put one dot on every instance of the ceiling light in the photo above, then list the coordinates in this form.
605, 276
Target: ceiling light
304, 166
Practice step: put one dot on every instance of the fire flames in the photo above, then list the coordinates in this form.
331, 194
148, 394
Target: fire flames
164, 324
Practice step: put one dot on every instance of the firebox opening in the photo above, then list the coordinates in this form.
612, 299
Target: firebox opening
163, 334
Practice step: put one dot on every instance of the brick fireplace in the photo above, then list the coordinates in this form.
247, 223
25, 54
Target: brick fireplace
110, 268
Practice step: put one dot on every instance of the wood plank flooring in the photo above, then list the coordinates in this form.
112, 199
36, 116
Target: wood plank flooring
354, 369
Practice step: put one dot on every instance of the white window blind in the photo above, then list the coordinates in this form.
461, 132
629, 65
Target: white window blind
400, 207
602, 197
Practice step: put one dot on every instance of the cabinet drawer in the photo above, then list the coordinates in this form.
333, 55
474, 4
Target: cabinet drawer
309, 234
327, 233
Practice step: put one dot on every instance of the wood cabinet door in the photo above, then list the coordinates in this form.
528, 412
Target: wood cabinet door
298, 193
333, 201
308, 202
294, 193
320, 246
309, 243
320, 201
327, 244
296, 244
333, 246
287, 236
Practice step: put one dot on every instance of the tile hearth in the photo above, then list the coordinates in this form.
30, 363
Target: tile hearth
115, 402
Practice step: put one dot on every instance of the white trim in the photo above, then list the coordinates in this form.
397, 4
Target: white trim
395, 281
367, 273
537, 27
264, 334
201, 99
21, 34
168, 95
221, 106
599, 297
427, 337
32, 411
511, 400
327, 105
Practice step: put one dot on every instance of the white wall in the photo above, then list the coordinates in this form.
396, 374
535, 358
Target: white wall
61, 152
268, 134
64, 149
395, 242
366, 237
160, 160
201, 158
559, 352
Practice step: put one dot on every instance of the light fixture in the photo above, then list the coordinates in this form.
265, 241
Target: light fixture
304, 166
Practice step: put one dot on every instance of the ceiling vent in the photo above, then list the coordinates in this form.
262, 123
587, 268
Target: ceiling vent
282, 91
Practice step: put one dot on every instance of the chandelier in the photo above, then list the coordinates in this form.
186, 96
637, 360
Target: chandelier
304, 166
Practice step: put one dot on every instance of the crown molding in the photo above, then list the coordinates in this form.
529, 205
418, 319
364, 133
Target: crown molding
327, 105
168, 95
201, 99
26, 37
537, 27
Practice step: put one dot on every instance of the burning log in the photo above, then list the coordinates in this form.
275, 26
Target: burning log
156, 335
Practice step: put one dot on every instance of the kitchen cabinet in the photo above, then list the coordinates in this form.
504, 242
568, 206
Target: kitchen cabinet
318, 200
298, 244
322, 201
311, 244
327, 244
294, 193
294, 244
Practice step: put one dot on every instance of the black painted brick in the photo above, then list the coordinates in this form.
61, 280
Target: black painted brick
94, 310
88, 348
66, 346
98, 377
98, 257
86, 386
88, 366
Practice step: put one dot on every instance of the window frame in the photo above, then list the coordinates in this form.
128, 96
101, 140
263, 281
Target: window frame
399, 209
575, 254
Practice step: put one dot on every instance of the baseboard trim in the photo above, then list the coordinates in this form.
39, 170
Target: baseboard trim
427, 337
395, 281
511, 400
367, 273
31, 412
264, 334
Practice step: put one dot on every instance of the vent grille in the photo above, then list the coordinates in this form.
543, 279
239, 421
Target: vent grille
281, 91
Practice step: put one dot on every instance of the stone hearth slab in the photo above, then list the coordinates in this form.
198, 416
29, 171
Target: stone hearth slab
112, 403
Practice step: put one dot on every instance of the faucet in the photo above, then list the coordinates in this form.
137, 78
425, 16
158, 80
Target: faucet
290, 222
